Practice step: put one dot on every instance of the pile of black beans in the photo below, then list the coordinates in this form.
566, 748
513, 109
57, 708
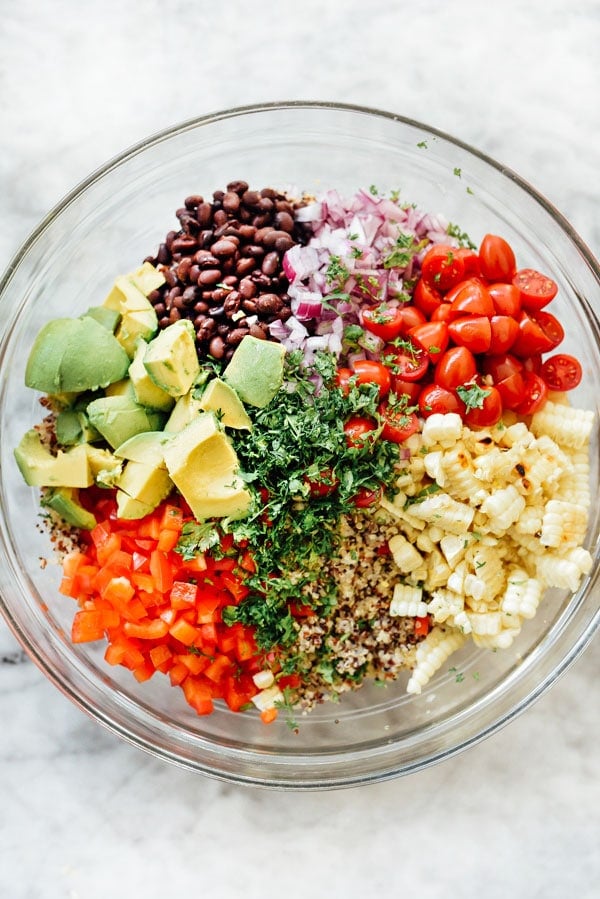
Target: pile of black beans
223, 267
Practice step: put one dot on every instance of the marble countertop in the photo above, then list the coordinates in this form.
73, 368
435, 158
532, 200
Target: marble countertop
82, 814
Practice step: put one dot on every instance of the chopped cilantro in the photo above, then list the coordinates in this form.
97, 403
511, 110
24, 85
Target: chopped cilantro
472, 395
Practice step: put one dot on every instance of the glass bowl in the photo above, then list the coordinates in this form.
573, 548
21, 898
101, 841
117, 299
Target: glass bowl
105, 227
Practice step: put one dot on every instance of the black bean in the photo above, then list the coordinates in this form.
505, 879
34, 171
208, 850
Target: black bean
239, 187
231, 202
216, 347
223, 247
192, 201
270, 264
204, 214
209, 276
247, 288
243, 266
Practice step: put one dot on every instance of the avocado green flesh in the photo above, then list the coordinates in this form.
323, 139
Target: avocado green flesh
65, 502
41, 469
118, 418
255, 371
72, 355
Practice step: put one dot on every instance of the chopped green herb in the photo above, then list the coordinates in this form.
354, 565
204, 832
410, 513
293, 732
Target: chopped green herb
472, 395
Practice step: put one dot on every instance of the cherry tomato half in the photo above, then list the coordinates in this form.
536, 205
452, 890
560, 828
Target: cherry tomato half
343, 380
398, 424
471, 331
496, 258
425, 297
512, 390
456, 367
325, 484
365, 498
410, 389
561, 372
358, 431
505, 330
470, 297
434, 398
506, 298
432, 337
384, 321
442, 268
489, 413
411, 317
367, 371
536, 394
501, 366
539, 332
471, 261
536, 289
409, 362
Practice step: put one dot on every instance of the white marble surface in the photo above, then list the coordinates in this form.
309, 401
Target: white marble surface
84, 816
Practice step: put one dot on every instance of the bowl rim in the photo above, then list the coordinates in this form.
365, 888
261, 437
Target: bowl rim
282, 780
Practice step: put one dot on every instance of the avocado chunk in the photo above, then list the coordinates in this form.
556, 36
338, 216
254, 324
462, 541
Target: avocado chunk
222, 399
108, 318
147, 393
255, 371
72, 427
105, 467
118, 418
138, 318
171, 359
147, 278
41, 469
204, 467
141, 488
65, 502
71, 355
124, 387
147, 447
186, 409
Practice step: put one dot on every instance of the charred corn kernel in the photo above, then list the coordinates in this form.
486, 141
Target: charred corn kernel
434, 466
501, 640
456, 581
444, 429
503, 508
564, 523
569, 427
445, 604
404, 554
431, 654
485, 623
475, 588
517, 433
453, 548
425, 543
530, 521
446, 513
408, 602
437, 571
461, 622
522, 594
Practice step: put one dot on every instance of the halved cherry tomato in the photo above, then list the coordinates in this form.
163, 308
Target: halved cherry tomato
506, 298
539, 332
489, 413
365, 498
426, 298
368, 371
512, 390
562, 372
536, 290
410, 389
432, 337
408, 362
536, 394
324, 485
358, 431
456, 367
471, 261
342, 379
470, 297
533, 363
497, 258
501, 366
471, 331
442, 268
384, 321
443, 313
434, 398
505, 330
398, 424
411, 317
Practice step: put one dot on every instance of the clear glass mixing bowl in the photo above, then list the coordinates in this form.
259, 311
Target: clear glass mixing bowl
105, 227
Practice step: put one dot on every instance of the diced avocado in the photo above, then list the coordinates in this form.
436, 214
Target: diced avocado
124, 387
108, 318
73, 427
141, 488
65, 502
204, 466
222, 399
147, 447
171, 359
118, 418
71, 355
41, 469
105, 467
138, 318
147, 393
146, 278
255, 370
186, 409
